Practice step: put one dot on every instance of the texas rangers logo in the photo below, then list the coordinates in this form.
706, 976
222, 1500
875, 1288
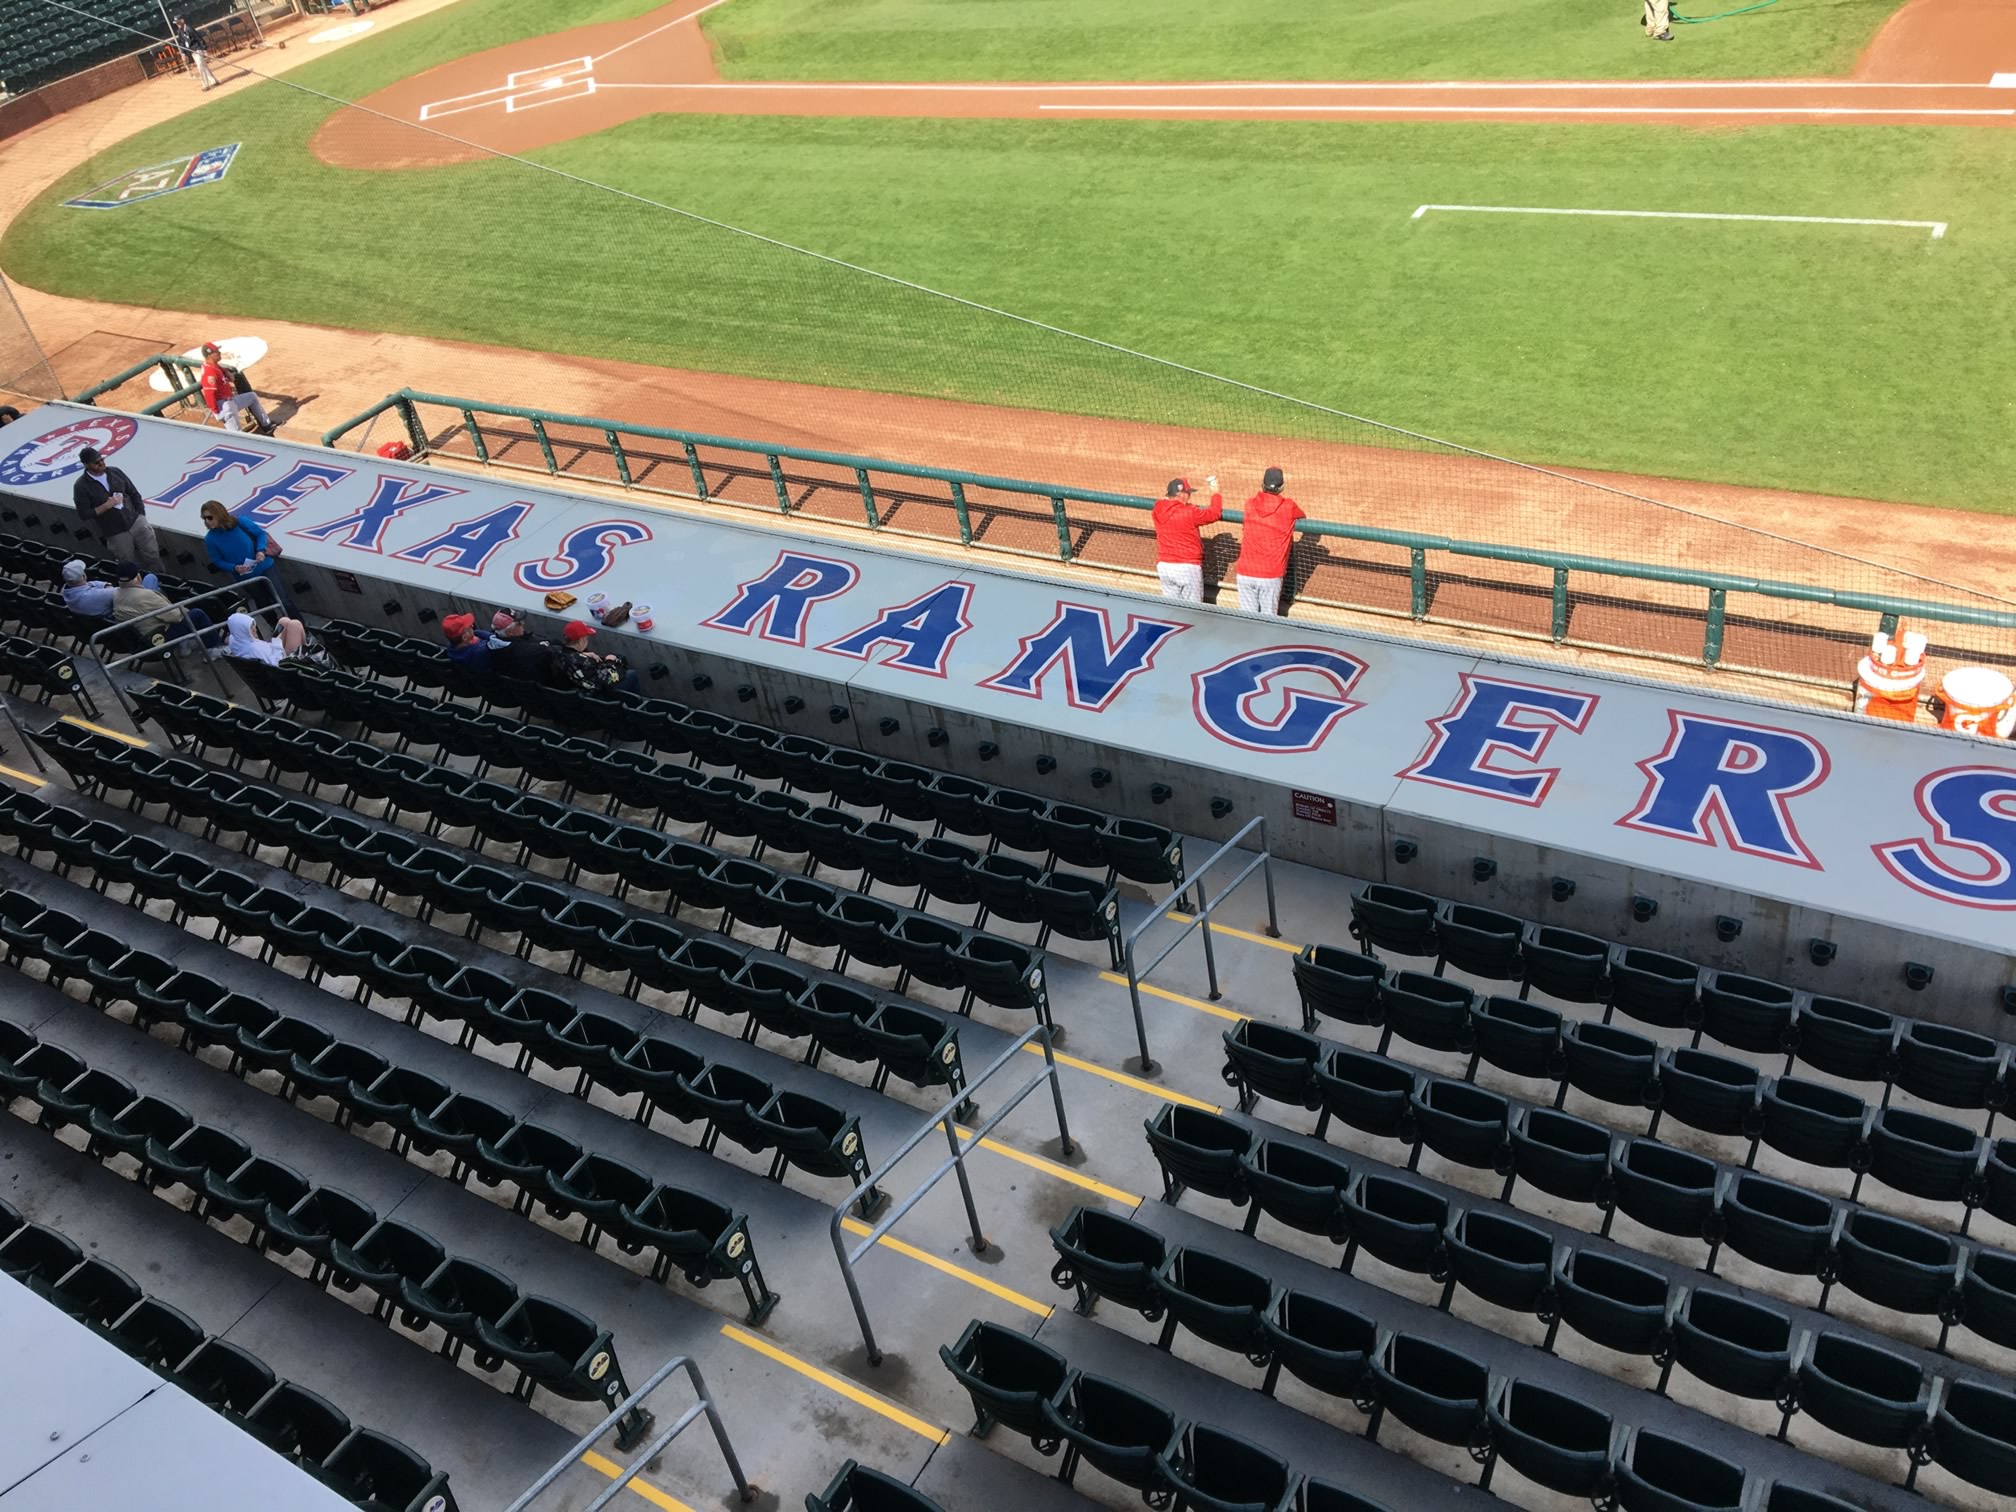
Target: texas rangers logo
54, 455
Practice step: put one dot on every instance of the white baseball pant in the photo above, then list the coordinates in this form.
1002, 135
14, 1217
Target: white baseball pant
1182, 580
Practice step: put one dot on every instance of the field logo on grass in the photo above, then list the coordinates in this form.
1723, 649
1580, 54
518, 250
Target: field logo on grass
163, 178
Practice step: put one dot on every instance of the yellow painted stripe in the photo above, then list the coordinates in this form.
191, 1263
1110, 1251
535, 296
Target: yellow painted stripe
643, 1488
856, 1394
28, 777
946, 1267
1052, 1168
1242, 934
1122, 1079
98, 729
1176, 997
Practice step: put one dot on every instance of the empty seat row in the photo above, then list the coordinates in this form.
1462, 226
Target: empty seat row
803, 1131
41, 562
1817, 1124
43, 672
1873, 1395
1068, 903
1415, 1227
1029, 1389
1025, 1386
371, 1469
855, 1487
407, 1270
704, 1239
1148, 853
1005, 973
1955, 1068
1675, 1191
856, 1024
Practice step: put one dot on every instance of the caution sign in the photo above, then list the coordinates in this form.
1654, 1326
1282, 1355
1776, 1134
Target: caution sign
192, 172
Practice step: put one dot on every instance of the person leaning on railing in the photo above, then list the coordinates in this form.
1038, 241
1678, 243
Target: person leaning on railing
1179, 548
1264, 543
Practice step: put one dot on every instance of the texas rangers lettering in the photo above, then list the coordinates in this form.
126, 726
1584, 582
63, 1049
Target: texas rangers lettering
1723, 782
584, 555
1495, 719
273, 502
365, 529
209, 467
777, 604
1971, 810
1079, 637
468, 546
1227, 697
922, 631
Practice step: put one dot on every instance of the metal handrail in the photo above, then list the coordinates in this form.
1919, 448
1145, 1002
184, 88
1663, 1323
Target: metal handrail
1199, 918
954, 1161
703, 1403
167, 362
1717, 585
120, 626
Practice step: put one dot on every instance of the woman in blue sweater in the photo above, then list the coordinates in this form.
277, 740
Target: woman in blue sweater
242, 548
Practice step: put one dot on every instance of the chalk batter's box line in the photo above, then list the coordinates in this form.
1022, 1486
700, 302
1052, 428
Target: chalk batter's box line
530, 76
579, 89
516, 84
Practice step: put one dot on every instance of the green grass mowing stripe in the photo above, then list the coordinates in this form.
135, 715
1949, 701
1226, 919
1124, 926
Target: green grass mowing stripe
1276, 39
1833, 359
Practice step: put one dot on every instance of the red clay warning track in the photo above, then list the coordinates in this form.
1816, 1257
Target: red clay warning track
1930, 65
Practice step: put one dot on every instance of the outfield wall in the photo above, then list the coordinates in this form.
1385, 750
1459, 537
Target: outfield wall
1897, 845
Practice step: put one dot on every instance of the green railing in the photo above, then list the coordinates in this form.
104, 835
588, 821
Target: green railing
636, 455
183, 384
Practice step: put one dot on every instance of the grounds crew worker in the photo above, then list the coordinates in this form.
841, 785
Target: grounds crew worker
1658, 19
1179, 549
1264, 544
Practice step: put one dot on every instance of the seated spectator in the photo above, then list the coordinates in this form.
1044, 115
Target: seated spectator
244, 549
515, 652
578, 667
136, 596
465, 648
249, 639
86, 595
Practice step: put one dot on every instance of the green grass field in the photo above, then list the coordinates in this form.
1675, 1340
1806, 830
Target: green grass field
1279, 39
1853, 360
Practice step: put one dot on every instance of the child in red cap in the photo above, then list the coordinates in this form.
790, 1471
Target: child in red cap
578, 667
465, 647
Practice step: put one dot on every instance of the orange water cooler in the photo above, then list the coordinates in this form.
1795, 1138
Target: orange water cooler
1888, 679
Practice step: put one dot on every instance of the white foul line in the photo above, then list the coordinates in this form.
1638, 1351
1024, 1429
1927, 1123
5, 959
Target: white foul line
1937, 228
647, 36
1338, 87
1254, 108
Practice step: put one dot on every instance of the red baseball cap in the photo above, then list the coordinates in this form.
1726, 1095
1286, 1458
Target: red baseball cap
578, 630
458, 625
211, 346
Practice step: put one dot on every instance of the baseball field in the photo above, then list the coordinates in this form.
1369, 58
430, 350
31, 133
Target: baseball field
1821, 300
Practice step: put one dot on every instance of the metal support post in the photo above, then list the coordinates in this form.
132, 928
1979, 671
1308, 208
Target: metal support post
959, 1144
1200, 920
703, 1405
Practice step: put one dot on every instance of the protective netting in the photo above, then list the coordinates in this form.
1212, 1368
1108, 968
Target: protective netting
667, 318
24, 368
